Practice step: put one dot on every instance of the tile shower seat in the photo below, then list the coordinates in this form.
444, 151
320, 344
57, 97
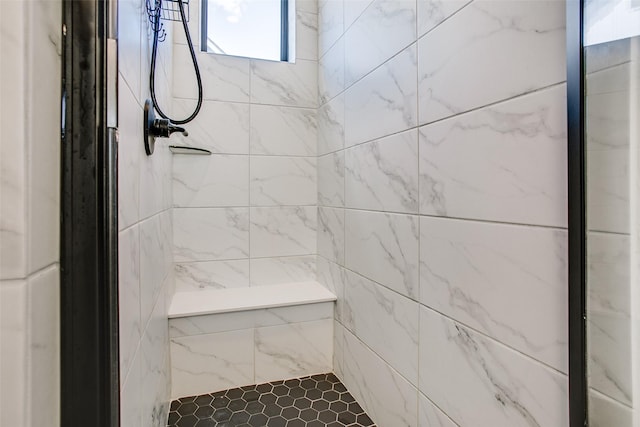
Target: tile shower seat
228, 338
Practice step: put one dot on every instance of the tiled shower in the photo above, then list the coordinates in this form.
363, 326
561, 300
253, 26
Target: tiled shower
411, 160
402, 177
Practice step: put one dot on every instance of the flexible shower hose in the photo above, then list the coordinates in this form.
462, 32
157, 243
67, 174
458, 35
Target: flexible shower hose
154, 54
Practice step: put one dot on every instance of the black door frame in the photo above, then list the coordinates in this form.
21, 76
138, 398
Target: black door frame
88, 247
578, 396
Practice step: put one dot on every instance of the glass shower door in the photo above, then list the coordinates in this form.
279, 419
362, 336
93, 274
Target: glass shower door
612, 152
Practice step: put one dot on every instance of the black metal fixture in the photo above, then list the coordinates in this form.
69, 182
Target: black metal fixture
171, 10
156, 128
578, 401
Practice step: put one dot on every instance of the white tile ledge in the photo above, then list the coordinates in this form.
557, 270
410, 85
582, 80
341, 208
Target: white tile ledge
195, 303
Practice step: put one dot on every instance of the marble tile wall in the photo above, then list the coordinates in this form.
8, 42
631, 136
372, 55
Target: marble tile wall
146, 224
220, 351
613, 197
29, 213
247, 214
442, 208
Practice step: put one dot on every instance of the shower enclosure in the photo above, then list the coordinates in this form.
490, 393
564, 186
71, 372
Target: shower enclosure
603, 87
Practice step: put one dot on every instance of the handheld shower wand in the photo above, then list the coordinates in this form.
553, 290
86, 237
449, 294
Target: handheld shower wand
165, 126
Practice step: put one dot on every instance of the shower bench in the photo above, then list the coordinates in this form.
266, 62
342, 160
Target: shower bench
227, 338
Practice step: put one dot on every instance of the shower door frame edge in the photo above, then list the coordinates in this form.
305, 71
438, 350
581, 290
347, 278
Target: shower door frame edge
577, 250
89, 359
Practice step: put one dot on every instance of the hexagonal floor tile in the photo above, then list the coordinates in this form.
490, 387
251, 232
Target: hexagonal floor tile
314, 401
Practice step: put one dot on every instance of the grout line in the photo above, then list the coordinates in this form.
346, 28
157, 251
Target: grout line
420, 304
452, 117
262, 104
436, 406
452, 218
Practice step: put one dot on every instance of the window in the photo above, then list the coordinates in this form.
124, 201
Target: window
249, 28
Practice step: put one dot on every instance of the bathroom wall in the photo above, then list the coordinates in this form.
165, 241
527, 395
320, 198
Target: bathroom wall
145, 223
613, 75
29, 213
246, 215
442, 208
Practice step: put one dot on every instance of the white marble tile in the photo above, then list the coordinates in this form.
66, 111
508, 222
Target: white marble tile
476, 381
43, 133
338, 350
205, 363
604, 55
146, 39
281, 83
331, 73
387, 397
384, 102
608, 197
203, 234
310, 6
221, 127
608, 122
164, 66
204, 275
610, 363
130, 404
283, 181
193, 25
331, 126
432, 13
155, 370
210, 181
384, 29
13, 174
514, 163
306, 35
353, 9
130, 137
384, 248
155, 262
497, 279
294, 314
155, 339
331, 179
13, 352
293, 350
44, 346
614, 78
129, 29
283, 231
274, 271
429, 415
512, 48
331, 234
383, 174
283, 131
606, 412
225, 322
155, 180
385, 321
129, 296
224, 78
330, 23
609, 273
211, 323
333, 277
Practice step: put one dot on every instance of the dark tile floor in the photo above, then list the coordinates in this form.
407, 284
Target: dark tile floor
315, 401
